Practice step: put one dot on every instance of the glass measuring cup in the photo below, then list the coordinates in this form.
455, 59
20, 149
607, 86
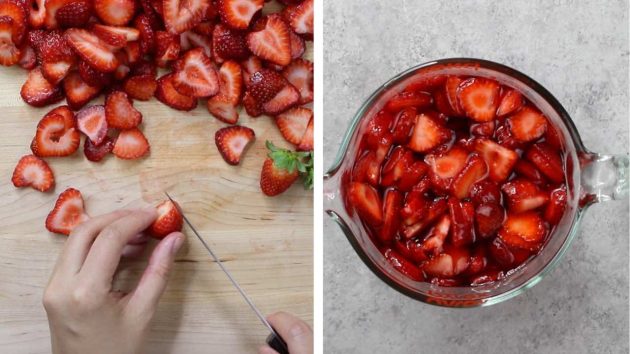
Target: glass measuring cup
590, 178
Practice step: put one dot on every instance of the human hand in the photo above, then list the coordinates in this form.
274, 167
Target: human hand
295, 332
85, 314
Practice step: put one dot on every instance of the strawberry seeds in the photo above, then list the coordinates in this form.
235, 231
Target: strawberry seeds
458, 180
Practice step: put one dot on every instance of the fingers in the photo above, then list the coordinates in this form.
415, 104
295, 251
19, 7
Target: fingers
266, 350
104, 256
145, 298
295, 332
80, 240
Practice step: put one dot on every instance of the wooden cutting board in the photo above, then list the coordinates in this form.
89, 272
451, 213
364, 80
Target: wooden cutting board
265, 242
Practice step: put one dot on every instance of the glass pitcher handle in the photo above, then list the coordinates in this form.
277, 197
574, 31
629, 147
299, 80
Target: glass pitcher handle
604, 177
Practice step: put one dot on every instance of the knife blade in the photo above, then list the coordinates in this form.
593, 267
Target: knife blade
273, 340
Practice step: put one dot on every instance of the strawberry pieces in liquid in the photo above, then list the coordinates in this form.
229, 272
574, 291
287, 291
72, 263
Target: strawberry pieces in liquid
459, 182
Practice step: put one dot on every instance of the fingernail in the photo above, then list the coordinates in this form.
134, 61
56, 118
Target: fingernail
177, 244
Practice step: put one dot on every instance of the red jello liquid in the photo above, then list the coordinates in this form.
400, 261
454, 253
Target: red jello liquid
458, 181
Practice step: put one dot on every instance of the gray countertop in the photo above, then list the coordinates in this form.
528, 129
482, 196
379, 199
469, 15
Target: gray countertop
578, 50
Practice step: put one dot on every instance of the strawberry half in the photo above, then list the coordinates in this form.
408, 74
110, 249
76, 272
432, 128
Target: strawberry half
526, 169
391, 215
78, 92
527, 124
479, 98
120, 112
525, 230
523, 195
402, 265
301, 17
452, 262
434, 242
427, 134
96, 153
462, 218
500, 160
300, 74
444, 167
169, 220
272, 42
403, 125
233, 141
252, 107
231, 82
414, 225
131, 144
91, 49
512, 100
115, 35
263, 85
9, 53
74, 14
293, 123
238, 13
488, 219
115, 12
57, 57
93, 77
27, 60
229, 44
556, 206
56, 136
452, 87
547, 160
250, 66
167, 48
298, 47
286, 98
197, 77
140, 87
189, 40
67, 213
475, 170
222, 109
366, 201
167, 94
486, 192
38, 92
307, 143
182, 15
91, 122
406, 99
14, 12
31, 171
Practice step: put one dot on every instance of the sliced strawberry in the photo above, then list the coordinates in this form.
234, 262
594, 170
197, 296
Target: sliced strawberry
146, 33
31, 171
250, 66
416, 207
91, 49
180, 16
523, 195
91, 122
547, 160
286, 98
452, 86
478, 260
553, 137
115, 35
131, 144
557, 205
238, 13
436, 209
462, 218
78, 93
526, 169
293, 123
367, 169
252, 107
205, 27
488, 219
479, 98
525, 230
115, 12
51, 8
392, 204
263, 85
440, 99
501, 253
366, 201
17, 13
167, 94
169, 220
403, 125
512, 100
475, 170
231, 84
301, 18
273, 42
406, 99
229, 44
298, 47
402, 265
140, 87
485, 129
167, 48
27, 59
486, 277
37, 13
57, 57
9, 53
56, 136
307, 143
233, 141
300, 74
67, 213
485, 192
499, 159
410, 249
444, 167
197, 78
452, 262
123, 68
395, 166
120, 112
222, 109
189, 40
96, 153
74, 14
427, 134
93, 77
527, 124
434, 242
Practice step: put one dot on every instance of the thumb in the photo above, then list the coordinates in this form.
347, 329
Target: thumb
145, 298
295, 332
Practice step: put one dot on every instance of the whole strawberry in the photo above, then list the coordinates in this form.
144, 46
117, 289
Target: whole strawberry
282, 168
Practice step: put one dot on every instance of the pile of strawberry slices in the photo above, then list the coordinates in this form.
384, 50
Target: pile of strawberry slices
226, 53
458, 180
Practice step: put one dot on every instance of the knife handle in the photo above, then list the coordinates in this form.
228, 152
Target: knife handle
277, 343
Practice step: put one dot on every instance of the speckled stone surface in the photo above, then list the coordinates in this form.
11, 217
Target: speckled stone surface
576, 49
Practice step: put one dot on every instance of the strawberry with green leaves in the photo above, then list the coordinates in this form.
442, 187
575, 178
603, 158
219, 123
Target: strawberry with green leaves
283, 167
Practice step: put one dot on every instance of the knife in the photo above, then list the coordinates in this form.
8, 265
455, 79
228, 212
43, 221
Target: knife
273, 340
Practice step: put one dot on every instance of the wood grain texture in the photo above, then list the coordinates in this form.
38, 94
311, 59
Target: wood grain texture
265, 242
